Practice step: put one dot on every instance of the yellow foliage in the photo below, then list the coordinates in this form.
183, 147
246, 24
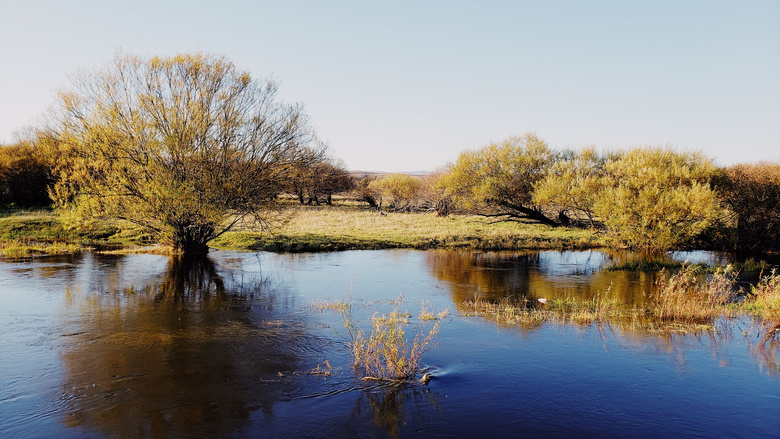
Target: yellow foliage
500, 177
400, 190
185, 146
572, 185
657, 198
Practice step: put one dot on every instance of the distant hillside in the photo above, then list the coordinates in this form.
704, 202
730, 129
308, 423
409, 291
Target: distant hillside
381, 173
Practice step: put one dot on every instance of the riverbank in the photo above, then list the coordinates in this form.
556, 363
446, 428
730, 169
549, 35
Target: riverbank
296, 228
346, 227
25, 233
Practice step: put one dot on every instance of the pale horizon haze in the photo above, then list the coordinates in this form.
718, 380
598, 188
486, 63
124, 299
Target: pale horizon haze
408, 85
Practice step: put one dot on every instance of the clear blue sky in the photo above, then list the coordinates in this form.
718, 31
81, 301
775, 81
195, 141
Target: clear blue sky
399, 85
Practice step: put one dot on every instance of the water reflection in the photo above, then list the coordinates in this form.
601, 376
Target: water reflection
533, 275
183, 355
390, 407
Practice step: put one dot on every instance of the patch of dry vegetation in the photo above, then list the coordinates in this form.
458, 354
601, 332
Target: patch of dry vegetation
604, 308
343, 227
24, 248
763, 301
682, 298
393, 348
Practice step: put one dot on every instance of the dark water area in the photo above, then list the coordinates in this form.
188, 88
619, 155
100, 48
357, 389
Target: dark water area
232, 346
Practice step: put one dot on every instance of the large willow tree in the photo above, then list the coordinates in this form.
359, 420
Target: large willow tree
186, 146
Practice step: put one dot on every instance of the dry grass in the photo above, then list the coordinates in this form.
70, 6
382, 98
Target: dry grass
316, 228
682, 297
764, 302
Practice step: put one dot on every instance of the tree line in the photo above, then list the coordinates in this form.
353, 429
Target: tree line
189, 146
651, 198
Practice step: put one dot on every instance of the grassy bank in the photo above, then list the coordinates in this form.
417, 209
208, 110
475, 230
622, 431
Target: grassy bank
298, 228
25, 233
345, 227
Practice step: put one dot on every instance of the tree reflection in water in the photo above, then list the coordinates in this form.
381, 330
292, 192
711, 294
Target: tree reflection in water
181, 356
532, 275
517, 276
387, 406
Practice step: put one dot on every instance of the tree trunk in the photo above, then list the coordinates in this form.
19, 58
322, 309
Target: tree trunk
192, 238
529, 213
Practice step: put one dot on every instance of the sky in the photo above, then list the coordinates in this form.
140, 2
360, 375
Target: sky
398, 85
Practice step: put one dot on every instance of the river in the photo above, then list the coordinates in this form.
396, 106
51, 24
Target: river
235, 345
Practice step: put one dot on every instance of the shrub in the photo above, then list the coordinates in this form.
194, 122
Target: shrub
656, 199
752, 193
572, 185
499, 179
25, 175
401, 191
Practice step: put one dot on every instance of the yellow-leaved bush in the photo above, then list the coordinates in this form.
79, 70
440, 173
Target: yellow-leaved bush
657, 198
499, 178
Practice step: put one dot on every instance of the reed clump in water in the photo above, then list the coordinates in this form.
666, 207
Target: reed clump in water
342, 305
568, 309
682, 298
388, 352
763, 301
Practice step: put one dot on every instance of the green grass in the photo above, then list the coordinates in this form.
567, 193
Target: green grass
26, 232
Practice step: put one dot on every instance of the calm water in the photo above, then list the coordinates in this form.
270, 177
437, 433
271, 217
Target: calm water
150, 346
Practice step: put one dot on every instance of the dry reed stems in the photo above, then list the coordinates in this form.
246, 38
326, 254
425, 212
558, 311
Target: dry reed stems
386, 353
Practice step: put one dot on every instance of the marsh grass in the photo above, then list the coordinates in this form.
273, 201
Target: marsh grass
568, 309
24, 248
388, 352
341, 305
687, 301
682, 297
651, 266
749, 265
763, 301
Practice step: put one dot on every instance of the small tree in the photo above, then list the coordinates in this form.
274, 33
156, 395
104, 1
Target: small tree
25, 174
401, 191
185, 146
572, 186
365, 191
499, 179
